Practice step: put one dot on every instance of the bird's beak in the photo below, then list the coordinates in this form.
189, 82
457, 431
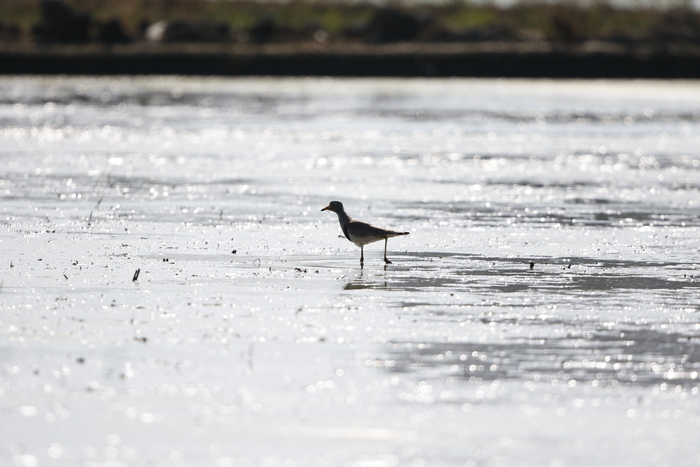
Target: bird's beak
327, 208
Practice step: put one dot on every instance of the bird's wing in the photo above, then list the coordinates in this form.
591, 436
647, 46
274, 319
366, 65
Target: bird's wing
363, 229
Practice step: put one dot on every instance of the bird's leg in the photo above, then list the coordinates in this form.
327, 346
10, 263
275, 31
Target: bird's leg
362, 254
386, 240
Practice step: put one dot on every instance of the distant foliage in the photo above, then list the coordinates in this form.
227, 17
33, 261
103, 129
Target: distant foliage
221, 21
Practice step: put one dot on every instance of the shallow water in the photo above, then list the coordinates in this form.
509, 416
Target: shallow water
543, 310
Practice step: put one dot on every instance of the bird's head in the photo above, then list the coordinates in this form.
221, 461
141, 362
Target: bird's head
335, 206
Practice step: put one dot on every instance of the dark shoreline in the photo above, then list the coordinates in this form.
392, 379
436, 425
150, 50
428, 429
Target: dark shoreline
484, 59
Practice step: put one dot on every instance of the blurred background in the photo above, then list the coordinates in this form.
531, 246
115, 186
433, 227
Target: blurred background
657, 23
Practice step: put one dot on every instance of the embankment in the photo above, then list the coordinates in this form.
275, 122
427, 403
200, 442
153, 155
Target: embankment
491, 59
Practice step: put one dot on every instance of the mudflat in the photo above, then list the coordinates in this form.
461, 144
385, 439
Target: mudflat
171, 293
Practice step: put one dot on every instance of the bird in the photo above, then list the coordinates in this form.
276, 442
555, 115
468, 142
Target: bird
361, 233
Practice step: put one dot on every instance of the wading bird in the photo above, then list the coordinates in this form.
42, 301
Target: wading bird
361, 233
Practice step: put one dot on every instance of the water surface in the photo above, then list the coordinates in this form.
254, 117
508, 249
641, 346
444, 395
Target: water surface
543, 310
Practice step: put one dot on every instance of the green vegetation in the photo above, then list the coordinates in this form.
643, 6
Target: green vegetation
565, 22
237, 14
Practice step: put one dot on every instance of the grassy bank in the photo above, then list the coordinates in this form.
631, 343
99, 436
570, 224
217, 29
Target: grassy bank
301, 20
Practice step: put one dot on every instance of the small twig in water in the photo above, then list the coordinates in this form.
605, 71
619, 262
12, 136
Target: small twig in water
250, 357
136, 275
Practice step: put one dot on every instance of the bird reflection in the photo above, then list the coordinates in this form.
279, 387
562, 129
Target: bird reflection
360, 282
